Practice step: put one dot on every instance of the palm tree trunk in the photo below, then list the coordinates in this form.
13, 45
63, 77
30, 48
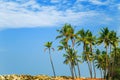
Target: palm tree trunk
101, 73
110, 48
106, 62
72, 70
78, 69
109, 71
89, 68
112, 69
73, 43
104, 72
52, 63
110, 65
94, 69
115, 58
92, 61
84, 48
75, 72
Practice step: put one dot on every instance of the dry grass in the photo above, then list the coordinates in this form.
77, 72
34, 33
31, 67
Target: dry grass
41, 77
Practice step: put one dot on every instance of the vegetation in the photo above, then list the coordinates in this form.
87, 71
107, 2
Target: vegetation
48, 46
106, 58
40, 77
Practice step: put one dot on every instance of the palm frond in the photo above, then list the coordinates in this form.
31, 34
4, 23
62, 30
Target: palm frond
60, 48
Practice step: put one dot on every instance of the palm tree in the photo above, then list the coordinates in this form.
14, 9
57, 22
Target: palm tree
87, 57
48, 46
71, 58
92, 41
67, 33
100, 61
116, 68
114, 40
65, 46
82, 36
104, 38
72, 37
115, 62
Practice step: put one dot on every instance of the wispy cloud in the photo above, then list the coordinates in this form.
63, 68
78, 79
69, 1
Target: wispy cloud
30, 13
98, 2
55, 1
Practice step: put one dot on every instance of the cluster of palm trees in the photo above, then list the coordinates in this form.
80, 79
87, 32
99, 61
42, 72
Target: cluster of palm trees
105, 59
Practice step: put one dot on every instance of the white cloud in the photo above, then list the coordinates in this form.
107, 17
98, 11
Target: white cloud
55, 1
16, 15
81, 0
98, 2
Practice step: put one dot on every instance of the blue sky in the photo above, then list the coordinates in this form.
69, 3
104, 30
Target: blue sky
25, 25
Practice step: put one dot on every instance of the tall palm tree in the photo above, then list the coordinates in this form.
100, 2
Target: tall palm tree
82, 36
100, 61
48, 46
71, 58
104, 38
72, 37
115, 62
97, 60
91, 42
65, 46
88, 57
114, 40
67, 33
116, 68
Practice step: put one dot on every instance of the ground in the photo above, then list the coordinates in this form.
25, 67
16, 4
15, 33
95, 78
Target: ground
40, 77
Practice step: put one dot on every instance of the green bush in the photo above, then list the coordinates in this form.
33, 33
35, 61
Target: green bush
116, 74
